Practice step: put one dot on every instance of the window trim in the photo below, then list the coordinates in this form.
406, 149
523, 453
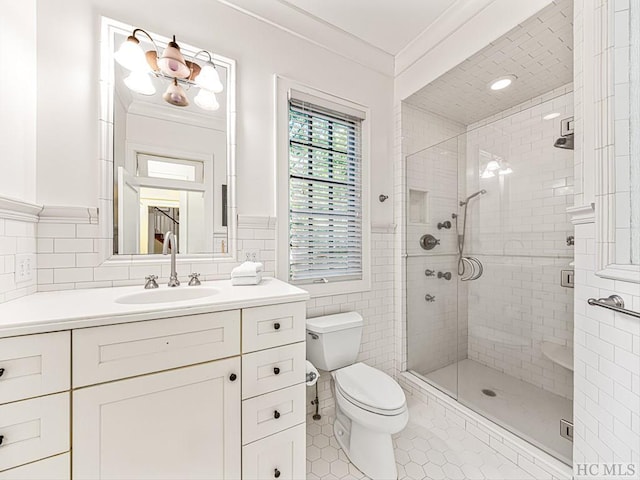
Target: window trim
283, 88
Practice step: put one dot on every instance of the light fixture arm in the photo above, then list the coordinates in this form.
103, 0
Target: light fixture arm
155, 45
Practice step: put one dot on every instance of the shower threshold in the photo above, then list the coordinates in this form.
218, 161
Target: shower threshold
528, 411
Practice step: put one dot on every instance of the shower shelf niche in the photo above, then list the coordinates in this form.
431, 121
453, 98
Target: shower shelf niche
418, 207
560, 354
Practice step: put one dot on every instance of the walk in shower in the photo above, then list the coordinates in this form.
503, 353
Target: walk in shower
488, 243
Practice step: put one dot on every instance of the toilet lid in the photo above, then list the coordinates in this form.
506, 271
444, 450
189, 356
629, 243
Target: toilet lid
370, 388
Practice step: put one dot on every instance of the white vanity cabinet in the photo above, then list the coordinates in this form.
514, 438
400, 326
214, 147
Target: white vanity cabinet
208, 395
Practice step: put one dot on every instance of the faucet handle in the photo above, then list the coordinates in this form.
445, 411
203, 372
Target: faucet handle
151, 282
194, 280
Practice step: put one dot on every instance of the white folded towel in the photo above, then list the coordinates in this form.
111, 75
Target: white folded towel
247, 269
247, 280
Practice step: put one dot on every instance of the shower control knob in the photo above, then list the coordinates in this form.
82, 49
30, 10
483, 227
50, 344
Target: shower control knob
445, 275
446, 225
428, 242
430, 298
429, 273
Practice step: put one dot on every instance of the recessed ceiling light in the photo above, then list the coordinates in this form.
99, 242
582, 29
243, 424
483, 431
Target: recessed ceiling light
551, 116
502, 82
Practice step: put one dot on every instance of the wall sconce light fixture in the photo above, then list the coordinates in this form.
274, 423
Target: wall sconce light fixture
172, 65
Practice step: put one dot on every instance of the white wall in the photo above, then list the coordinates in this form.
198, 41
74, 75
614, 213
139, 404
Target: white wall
607, 344
68, 139
18, 99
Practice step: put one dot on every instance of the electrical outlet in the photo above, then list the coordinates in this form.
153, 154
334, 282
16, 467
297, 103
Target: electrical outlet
25, 265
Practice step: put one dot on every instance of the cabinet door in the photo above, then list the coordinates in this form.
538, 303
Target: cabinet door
280, 456
183, 423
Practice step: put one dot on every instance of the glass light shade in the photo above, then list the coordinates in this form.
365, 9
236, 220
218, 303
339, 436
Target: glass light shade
140, 82
493, 165
505, 171
175, 95
206, 100
172, 62
487, 174
208, 78
131, 56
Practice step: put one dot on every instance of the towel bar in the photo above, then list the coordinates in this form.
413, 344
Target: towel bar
613, 302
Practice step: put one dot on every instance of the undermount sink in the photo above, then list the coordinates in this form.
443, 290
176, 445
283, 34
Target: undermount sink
166, 295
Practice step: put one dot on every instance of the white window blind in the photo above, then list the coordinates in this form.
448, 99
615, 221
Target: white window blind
325, 186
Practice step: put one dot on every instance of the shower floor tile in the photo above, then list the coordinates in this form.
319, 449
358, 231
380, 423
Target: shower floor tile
529, 411
430, 447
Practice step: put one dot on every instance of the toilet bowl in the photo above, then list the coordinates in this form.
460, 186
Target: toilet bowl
370, 405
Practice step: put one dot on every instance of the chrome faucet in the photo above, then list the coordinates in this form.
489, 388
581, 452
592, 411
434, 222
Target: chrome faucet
170, 241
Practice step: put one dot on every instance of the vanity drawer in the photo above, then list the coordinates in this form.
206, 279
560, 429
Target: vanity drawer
273, 412
272, 326
111, 352
34, 365
273, 369
280, 456
53, 468
34, 429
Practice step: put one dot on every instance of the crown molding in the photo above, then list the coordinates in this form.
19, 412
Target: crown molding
13, 209
67, 214
299, 23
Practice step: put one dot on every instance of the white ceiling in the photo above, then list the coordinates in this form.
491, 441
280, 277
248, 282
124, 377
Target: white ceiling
386, 24
539, 52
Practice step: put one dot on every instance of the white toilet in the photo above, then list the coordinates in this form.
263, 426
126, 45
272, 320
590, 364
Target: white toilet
370, 405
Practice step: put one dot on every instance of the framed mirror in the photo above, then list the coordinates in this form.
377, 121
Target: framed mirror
168, 112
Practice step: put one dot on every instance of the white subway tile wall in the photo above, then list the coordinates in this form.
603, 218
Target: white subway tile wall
607, 344
69, 256
16, 238
375, 306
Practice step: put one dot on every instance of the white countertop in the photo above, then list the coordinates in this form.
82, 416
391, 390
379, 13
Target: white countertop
64, 310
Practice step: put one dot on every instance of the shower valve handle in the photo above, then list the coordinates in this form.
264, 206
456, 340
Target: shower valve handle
429, 273
428, 241
430, 298
445, 275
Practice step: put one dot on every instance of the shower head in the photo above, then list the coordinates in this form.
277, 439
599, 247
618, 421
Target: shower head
565, 142
479, 192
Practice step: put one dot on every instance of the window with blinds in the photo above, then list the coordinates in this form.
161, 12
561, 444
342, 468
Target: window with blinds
325, 185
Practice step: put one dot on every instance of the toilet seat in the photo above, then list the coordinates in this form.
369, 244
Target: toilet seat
370, 389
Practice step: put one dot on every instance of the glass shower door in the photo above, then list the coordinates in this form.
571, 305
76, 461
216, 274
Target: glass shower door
436, 336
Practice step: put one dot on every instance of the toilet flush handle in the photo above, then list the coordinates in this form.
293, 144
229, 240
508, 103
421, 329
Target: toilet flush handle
313, 336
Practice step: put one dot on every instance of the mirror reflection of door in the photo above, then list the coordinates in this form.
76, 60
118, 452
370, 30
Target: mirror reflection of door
163, 194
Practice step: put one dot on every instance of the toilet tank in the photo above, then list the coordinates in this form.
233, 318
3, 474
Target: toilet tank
333, 341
